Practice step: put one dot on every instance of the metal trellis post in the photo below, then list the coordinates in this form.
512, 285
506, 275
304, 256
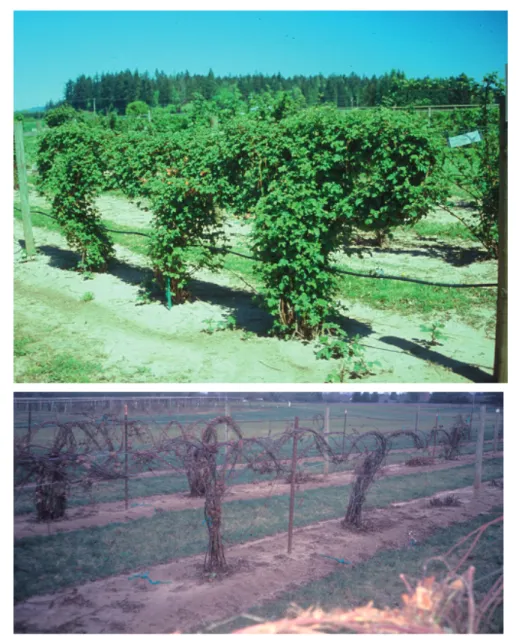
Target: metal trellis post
126, 459
292, 487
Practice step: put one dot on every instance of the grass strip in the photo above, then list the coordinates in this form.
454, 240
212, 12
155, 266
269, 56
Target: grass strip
37, 363
405, 298
454, 230
44, 564
111, 491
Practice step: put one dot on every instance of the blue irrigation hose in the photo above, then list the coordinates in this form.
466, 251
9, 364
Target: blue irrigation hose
145, 575
343, 561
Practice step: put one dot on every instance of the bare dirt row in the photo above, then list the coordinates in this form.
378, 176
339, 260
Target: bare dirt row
259, 570
148, 343
104, 513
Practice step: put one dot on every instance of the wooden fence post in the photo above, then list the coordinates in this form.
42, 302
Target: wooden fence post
292, 487
30, 246
418, 409
326, 432
480, 450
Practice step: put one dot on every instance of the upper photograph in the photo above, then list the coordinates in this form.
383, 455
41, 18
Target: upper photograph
284, 196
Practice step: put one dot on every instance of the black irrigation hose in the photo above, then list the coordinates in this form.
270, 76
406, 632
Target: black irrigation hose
377, 276
125, 232
412, 280
330, 269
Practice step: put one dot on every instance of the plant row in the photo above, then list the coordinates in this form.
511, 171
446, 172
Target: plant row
308, 179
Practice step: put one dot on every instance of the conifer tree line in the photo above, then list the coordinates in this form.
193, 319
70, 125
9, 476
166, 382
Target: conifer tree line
114, 91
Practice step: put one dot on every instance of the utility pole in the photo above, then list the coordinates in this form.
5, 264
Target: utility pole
500, 363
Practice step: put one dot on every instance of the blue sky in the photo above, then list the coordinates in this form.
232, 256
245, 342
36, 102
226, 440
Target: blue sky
51, 47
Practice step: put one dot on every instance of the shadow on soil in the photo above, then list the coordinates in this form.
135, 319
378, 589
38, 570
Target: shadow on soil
241, 304
431, 248
467, 371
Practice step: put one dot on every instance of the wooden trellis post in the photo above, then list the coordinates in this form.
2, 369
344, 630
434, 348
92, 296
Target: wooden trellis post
344, 430
435, 433
227, 413
30, 246
500, 364
326, 432
496, 430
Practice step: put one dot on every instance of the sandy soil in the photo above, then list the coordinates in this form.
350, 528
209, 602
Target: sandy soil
149, 343
101, 514
260, 570
428, 258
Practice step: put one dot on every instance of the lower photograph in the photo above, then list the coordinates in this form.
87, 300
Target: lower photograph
258, 512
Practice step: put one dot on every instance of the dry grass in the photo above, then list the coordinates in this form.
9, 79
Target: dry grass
445, 502
420, 461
